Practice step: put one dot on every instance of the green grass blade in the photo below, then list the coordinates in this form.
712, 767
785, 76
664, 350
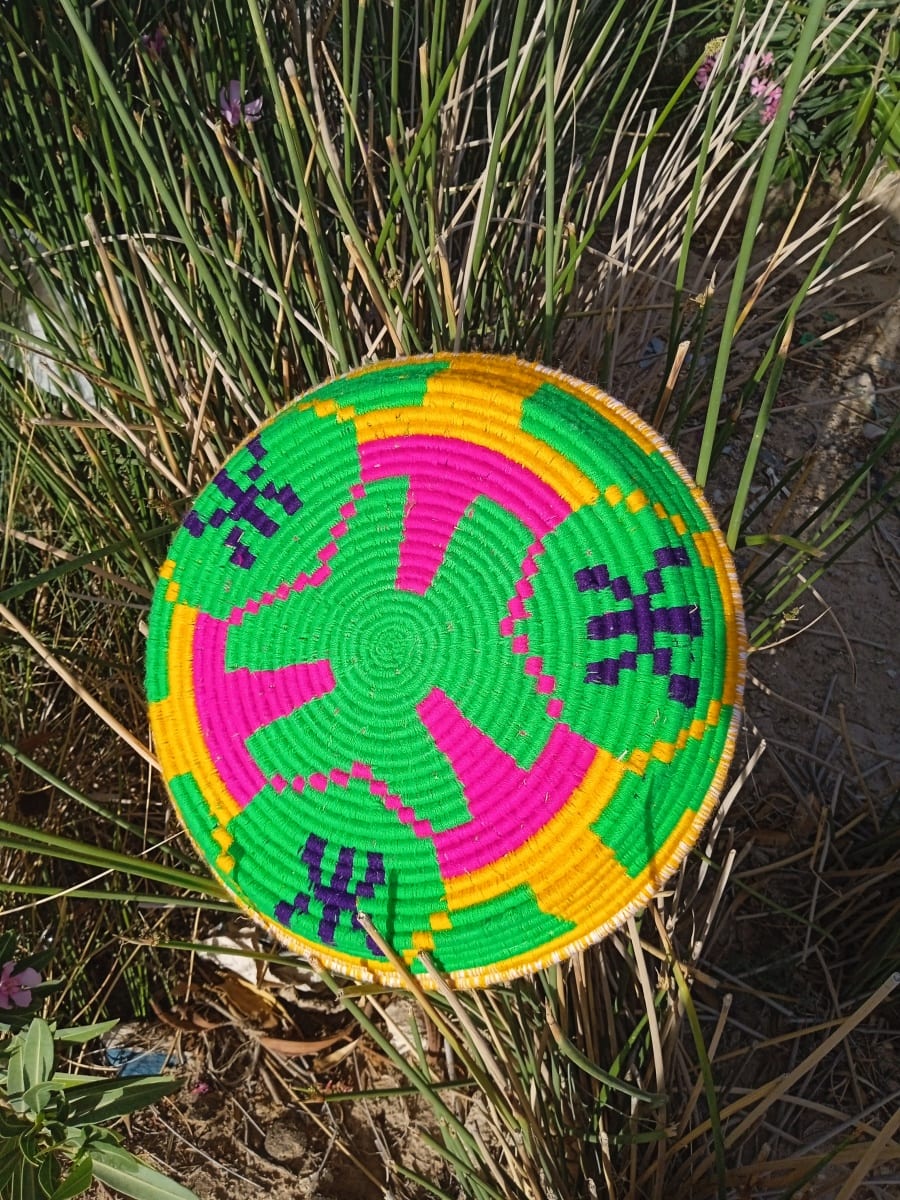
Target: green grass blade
799, 59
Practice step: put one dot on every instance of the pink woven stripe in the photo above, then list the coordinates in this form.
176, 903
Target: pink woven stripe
447, 475
231, 705
507, 804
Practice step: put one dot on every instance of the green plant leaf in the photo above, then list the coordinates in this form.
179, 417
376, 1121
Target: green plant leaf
83, 1033
67, 1081
120, 1170
30, 1148
48, 1174
23, 1184
15, 1074
104, 1099
37, 1054
9, 1157
38, 1098
77, 1180
75, 1141
12, 1126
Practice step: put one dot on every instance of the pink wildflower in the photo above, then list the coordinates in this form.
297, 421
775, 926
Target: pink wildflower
763, 88
758, 62
770, 107
704, 71
768, 93
15, 987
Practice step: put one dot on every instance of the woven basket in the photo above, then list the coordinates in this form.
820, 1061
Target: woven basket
455, 643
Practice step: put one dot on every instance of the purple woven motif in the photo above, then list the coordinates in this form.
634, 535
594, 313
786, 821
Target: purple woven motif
244, 508
337, 896
643, 622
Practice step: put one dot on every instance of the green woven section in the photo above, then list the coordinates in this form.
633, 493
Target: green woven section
486, 931
156, 678
476, 667
572, 428
645, 811
559, 607
340, 815
403, 386
195, 814
321, 477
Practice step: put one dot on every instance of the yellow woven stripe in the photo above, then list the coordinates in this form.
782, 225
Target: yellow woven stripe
167, 570
678, 523
331, 408
707, 548
176, 727
636, 500
225, 841
565, 849
518, 379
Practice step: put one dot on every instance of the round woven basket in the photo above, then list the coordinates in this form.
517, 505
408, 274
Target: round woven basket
452, 644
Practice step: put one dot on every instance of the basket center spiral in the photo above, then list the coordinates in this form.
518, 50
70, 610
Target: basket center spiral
389, 642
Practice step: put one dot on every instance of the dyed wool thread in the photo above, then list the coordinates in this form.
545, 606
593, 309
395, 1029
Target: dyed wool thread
456, 643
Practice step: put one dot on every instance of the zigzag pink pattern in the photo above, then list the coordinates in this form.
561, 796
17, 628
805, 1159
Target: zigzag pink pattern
518, 612
377, 787
303, 581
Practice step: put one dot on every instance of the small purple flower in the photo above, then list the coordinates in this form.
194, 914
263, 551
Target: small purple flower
230, 103
233, 110
15, 987
253, 110
154, 43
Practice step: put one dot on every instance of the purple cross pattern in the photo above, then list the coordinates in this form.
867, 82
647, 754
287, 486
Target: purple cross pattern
337, 896
644, 622
245, 509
